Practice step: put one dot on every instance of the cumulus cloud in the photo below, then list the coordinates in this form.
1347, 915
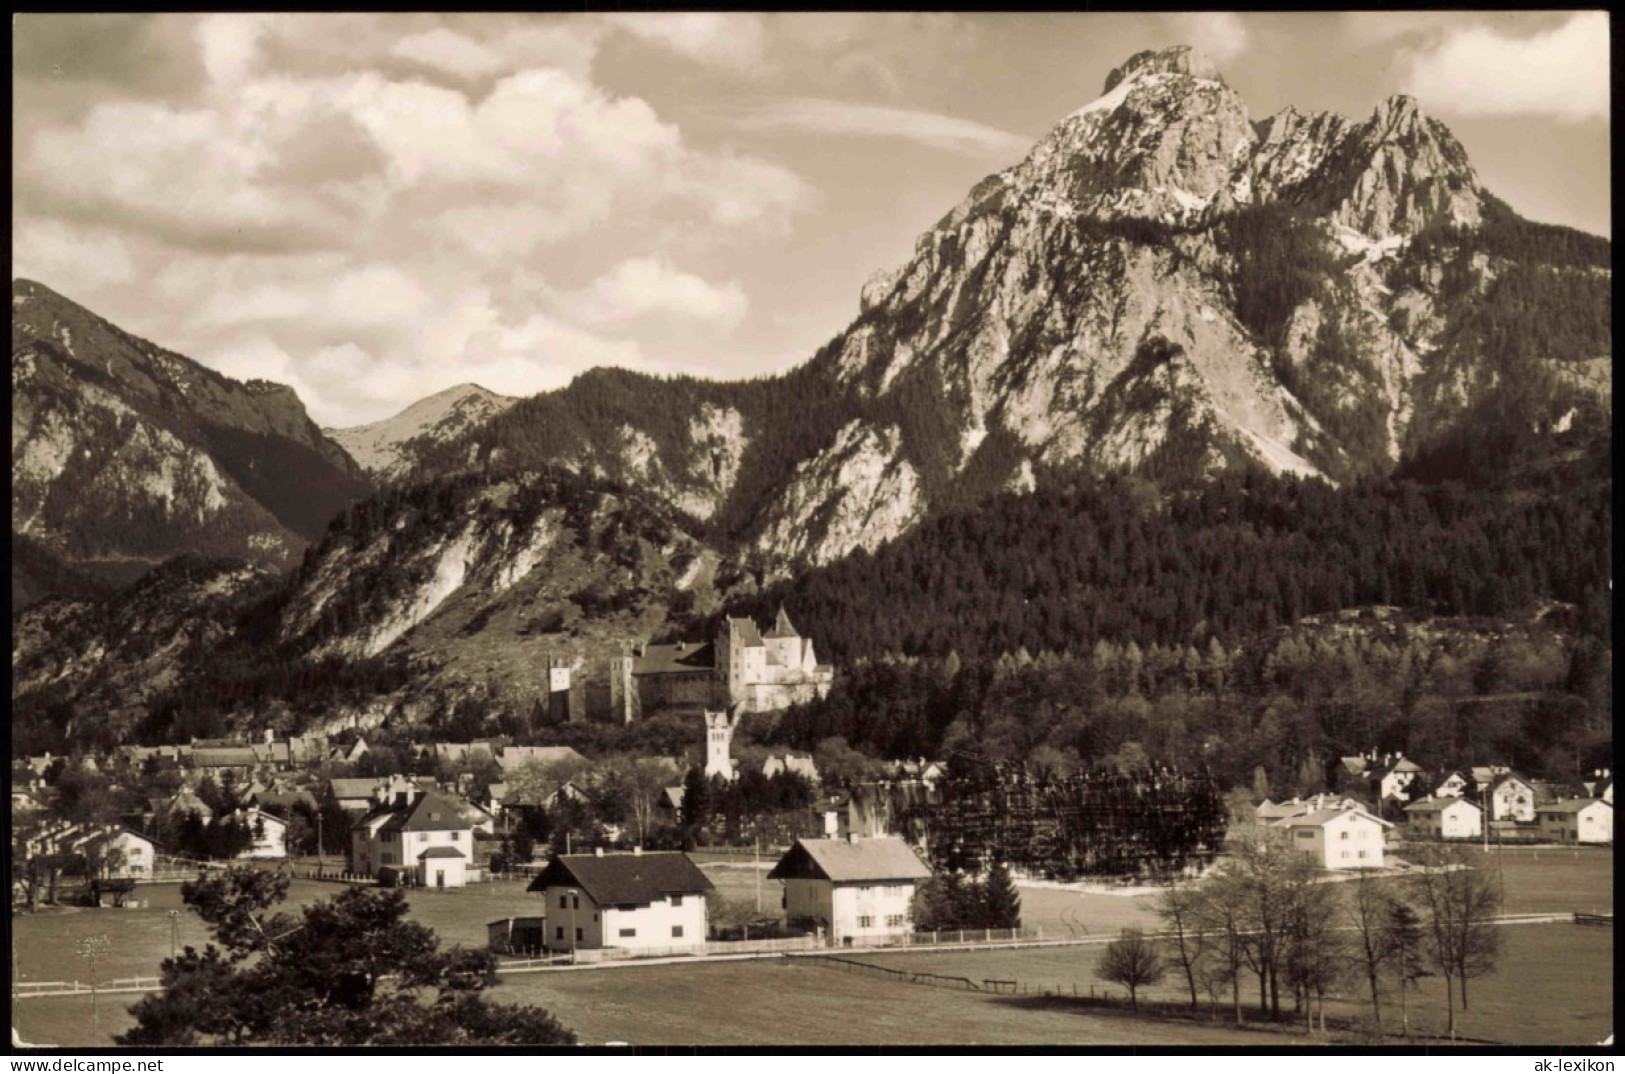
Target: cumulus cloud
447, 50
46, 250
371, 208
1220, 34
647, 287
1562, 73
812, 115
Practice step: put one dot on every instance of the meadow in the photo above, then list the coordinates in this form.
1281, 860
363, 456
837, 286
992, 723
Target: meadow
1553, 983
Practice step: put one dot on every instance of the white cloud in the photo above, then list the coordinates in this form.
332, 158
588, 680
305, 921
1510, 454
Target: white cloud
647, 287
1220, 34
50, 250
815, 115
230, 45
732, 39
1563, 74
447, 50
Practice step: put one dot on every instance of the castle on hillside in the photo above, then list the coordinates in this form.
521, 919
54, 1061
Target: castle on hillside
769, 671
742, 668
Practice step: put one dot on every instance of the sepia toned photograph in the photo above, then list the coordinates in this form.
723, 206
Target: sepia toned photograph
737, 530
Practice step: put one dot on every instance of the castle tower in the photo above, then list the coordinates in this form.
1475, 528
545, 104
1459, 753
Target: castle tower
624, 704
719, 734
559, 708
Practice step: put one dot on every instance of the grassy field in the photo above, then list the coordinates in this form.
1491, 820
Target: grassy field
1535, 997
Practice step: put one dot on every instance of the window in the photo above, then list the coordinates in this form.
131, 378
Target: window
1345, 854
558, 933
677, 932
628, 933
563, 903
1343, 835
866, 921
894, 920
595, 919
1362, 853
1304, 833
579, 935
677, 900
575, 902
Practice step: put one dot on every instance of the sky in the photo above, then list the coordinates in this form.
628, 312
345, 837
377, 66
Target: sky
375, 207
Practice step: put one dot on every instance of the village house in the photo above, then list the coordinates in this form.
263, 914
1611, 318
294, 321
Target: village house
1601, 785
176, 808
800, 764
109, 851
1444, 818
350, 754
1387, 776
268, 832
1578, 820
1268, 812
1337, 838
25, 805
852, 890
1512, 797
116, 853
418, 837
353, 794
632, 901
512, 757
1452, 783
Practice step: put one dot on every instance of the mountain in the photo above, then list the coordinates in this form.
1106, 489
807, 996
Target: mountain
125, 454
428, 604
1163, 287
388, 449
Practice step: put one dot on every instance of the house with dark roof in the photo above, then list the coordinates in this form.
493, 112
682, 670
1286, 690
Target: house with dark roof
852, 890
636, 901
679, 675
426, 840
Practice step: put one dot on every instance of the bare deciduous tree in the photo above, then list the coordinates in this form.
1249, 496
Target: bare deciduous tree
1133, 962
1459, 904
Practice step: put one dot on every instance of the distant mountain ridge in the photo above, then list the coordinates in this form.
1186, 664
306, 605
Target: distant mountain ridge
389, 449
1163, 287
125, 454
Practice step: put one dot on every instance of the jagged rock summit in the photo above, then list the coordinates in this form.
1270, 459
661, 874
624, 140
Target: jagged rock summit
1163, 285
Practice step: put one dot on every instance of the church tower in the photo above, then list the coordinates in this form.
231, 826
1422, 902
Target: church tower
719, 734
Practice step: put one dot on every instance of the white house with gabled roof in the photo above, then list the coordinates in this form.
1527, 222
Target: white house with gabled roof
427, 840
1578, 820
633, 901
1444, 818
854, 889
1337, 838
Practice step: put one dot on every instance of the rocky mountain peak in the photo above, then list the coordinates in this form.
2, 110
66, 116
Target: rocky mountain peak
1178, 60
